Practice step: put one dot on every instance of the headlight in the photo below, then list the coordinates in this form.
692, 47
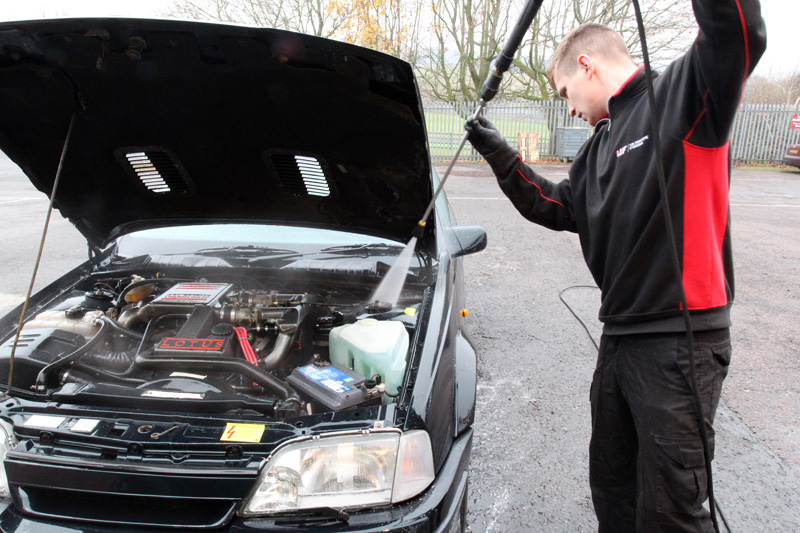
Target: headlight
7, 441
344, 471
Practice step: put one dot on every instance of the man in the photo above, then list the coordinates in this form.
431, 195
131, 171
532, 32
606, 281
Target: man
647, 471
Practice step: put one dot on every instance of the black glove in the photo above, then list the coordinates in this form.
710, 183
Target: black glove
483, 136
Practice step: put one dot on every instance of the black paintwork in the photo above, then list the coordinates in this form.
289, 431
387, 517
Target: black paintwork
187, 477
223, 104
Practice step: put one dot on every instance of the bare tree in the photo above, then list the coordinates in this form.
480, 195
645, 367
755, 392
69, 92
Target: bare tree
669, 25
773, 89
466, 42
466, 35
452, 43
221, 10
391, 26
315, 17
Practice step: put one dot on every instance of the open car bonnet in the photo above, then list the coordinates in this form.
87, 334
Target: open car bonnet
178, 122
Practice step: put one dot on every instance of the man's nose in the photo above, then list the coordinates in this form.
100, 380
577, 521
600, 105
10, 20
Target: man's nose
571, 110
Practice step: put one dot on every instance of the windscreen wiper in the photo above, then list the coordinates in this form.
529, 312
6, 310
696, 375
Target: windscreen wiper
250, 253
347, 248
119, 261
245, 251
333, 252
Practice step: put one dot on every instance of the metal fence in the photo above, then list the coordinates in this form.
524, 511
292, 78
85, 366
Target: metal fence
760, 133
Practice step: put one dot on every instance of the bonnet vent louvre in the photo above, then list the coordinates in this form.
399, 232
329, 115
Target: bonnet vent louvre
157, 171
301, 175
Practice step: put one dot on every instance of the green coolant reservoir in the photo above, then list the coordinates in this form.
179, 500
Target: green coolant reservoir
372, 347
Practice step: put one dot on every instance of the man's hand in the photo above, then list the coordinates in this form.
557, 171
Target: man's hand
483, 136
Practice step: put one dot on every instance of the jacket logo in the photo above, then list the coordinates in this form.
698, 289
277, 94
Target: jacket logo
631, 146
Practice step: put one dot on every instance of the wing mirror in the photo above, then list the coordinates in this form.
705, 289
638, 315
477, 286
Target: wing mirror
466, 240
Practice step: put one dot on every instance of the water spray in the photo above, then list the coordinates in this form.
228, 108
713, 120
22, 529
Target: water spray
392, 284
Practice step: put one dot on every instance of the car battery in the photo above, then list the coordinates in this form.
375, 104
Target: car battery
334, 386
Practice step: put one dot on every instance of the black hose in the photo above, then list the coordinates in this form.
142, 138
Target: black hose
44, 374
390, 395
115, 361
581, 322
120, 329
676, 267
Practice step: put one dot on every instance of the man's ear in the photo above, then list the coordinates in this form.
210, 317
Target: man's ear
586, 64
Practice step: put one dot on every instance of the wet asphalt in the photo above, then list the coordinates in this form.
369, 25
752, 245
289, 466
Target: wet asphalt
529, 463
529, 469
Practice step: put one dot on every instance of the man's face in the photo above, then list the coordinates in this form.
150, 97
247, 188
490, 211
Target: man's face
583, 92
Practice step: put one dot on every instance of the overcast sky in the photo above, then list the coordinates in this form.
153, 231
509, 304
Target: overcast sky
782, 16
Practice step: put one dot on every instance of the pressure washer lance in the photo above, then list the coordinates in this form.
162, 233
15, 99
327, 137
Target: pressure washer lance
392, 284
489, 90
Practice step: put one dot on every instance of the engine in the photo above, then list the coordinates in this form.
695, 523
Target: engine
212, 346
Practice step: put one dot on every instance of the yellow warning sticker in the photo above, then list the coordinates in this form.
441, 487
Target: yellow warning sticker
411, 311
242, 432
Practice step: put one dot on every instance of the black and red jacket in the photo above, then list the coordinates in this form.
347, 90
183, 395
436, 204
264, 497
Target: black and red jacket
611, 198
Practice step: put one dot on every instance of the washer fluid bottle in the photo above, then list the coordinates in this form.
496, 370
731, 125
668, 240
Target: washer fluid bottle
82, 325
372, 347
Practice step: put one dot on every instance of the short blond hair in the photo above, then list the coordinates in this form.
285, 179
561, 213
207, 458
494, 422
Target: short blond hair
590, 38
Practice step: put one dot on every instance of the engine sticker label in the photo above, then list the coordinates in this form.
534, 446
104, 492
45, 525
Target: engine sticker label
329, 377
236, 432
84, 425
174, 343
44, 421
173, 395
193, 293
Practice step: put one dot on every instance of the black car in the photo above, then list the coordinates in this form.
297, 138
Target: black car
226, 358
792, 155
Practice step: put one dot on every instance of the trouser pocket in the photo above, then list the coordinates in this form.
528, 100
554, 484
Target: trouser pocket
680, 474
712, 353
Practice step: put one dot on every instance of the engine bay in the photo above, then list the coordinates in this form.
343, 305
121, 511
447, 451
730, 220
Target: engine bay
210, 345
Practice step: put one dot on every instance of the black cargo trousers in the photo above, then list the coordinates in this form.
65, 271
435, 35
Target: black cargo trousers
646, 466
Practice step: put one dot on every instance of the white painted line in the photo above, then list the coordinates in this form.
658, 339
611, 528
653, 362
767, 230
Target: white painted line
473, 198
18, 200
732, 205
765, 205
762, 179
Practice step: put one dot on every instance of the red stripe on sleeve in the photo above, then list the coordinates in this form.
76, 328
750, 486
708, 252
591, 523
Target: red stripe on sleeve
746, 40
535, 185
700, 116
